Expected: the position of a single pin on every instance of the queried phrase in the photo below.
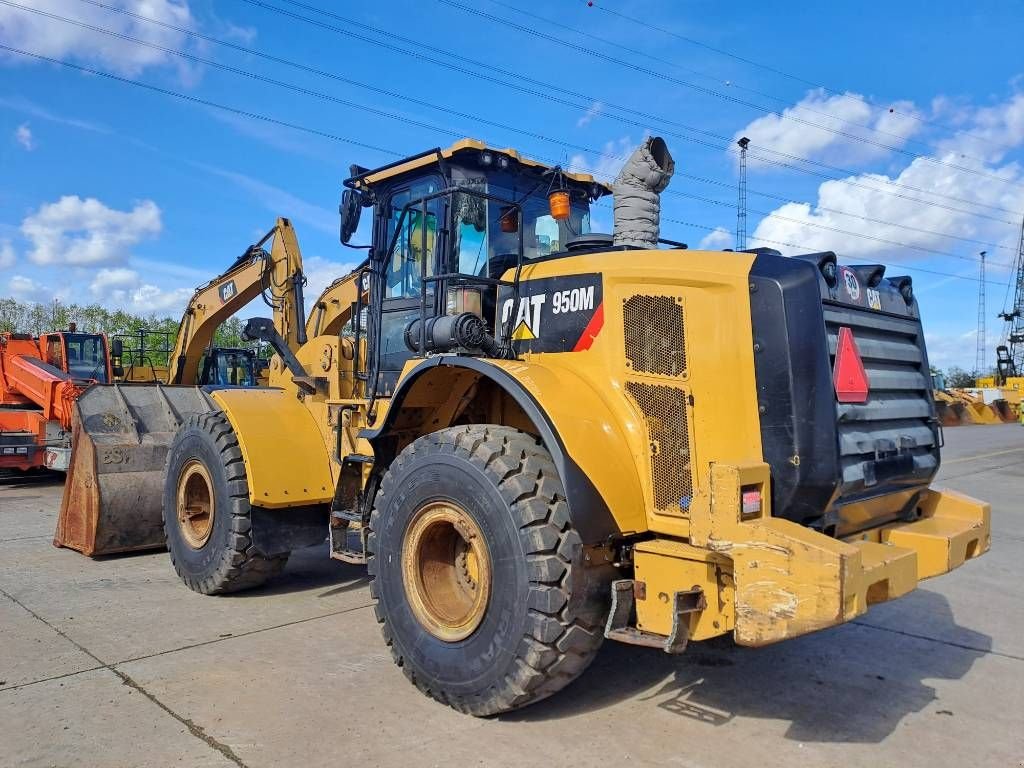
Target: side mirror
(117, 348)
(350, 208)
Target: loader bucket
(120, 434)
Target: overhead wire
(594, 5)
(533, 32)
(729, 83)
(335, 137)
(428, 126)
(516, 80)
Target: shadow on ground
(849, 684)
(310, 568)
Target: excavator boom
(276, 275)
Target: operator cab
(448, 227)
(83, 356)
(225, 367)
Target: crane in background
(1010, 354)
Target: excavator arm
(276, 275)
(333, 308)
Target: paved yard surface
(115, 663)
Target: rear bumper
(773, 579)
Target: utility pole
(741, 206)
(979, 357)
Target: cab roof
(365, 177)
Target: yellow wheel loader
(538, 437)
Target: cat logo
(527, 320)
(554, 314)
(227, 291)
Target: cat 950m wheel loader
(537, 437)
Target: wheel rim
(447, 571)
(195, 505)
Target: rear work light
(848, 374)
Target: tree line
(157, 333)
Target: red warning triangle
(848, 374)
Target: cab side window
(54, 352)
(416, 240)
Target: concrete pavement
(114, 663)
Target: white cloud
(838, 114)
(23, 135)
(717, 240)
(592, 112)
(78, 232)
(58, 39)
(320, 273)
(123, 288)
(27, 289)
(989, 131)
(6, 254)
(870, 197)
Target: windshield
(87, 356)
(233, 369)
(487, 232)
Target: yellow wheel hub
(195, 504)
(446, 568)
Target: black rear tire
(225, 560)
(544, 620)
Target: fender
(602, 503)
(282, 446)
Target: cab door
(419, 240)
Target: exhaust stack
(637, 190)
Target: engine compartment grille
(653, 328)
(665, 410)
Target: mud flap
(120, 434)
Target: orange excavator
(40, 380)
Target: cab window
(87, 357)
(416, 241)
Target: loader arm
(276, 275)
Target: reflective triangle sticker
(522, 333)
(848, 374)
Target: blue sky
(116, 194)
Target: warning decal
(554, 314)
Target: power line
(718, 94)
(516, 83)
(427, 126)
(325, 134)
(795, 78)
(730, 84)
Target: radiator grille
(653, 331)
(664, 410)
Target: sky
(890, 133)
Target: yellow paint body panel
(282, 445)
(769, 579)
(585, 392)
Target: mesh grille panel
(664, 409)
(653, 330)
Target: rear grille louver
(897, 420)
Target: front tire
(206, 510)
(489, 504)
